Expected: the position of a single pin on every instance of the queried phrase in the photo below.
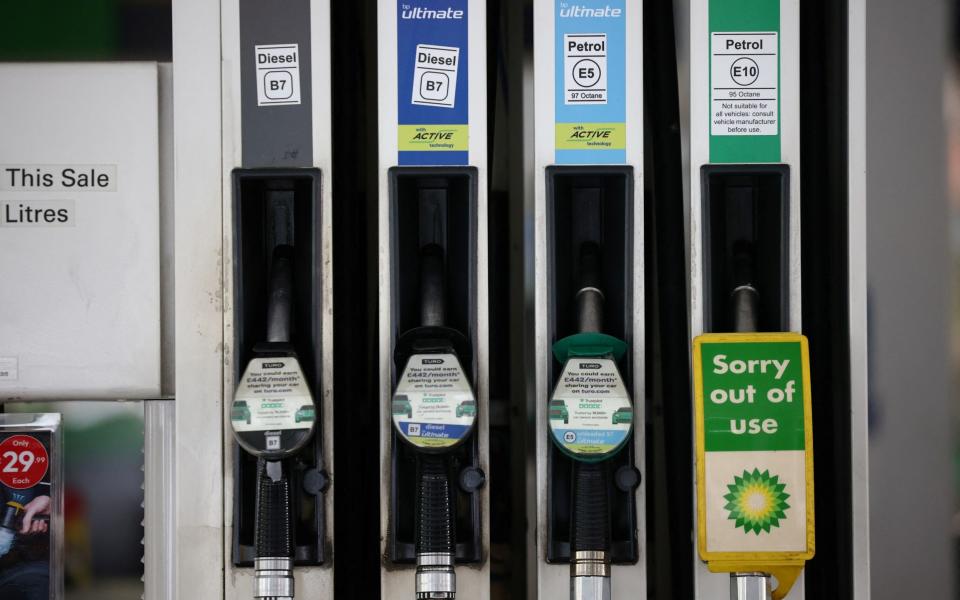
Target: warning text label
(745, 83)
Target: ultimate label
(434, 405)
(590, 79)
(590, 413)
(432, 82)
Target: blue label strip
(573, 66)
(435, 430)
(431, 53)
(612, 437)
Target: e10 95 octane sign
(754, 449)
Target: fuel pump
(433, 318)
(591, 418)
(273, 417)
(754, 494)
(590, 499)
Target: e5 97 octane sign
(754, 446)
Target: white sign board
(79, 231)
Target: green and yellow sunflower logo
(757, 502)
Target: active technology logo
(579, 11)
(418, 12)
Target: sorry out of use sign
(754, 444)
(745, 83)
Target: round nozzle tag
(273, 414)
(590, 412)
(434, 407)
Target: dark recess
(356, 392)
(669, 435)
(824, 204)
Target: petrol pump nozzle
(273, 417)
(433, 378)
(436, 577)
(745, 306)
(590, 547)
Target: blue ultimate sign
(432, 82)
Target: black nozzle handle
(273, 534)
(589, 294)
(433, 308)
(591, 507)
(280, 298)
(744, 298)
(435, 523)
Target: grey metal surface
(280, 301)
(909, 272)
(159, 524)
(435, 578)
(590, 563)
(746, 305)
(750, 586)
(275, 136)
(590, 588)
(273, 578)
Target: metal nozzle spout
(436, 578)
(750, 586)
(590, 575)
(273, 578)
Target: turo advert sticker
(590, 413)
(272, 395)
(434, 406)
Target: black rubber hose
(274, 530)
(589, 296)
(280, 300)
(591, 509)
(435, 533)
(433, 309)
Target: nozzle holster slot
(433, 206)
(590, 204)
(273, 207)
(746, 222)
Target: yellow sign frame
(785, 566)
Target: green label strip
(433, 137)
(745, 75)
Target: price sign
(23, 462)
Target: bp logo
(757, 502)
